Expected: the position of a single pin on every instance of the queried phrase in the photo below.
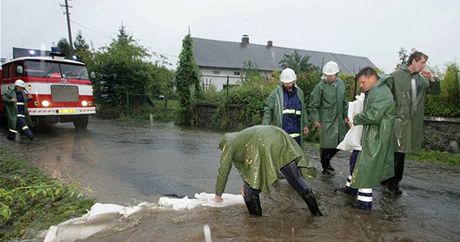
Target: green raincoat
(273, 109)
(329, 106)
(12, 110)
(258, 153)
(409, 108)
(375, 162)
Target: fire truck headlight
(36, 103)
(84, 103)
(45, 103)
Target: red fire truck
(60, 89)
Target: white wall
(218, 77)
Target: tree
(403, 56)
(163, 80)
(250, 73)
(121, 68)
(297, 62)
(446, 104)
(65, 48)
(81, 49)
(187, 81)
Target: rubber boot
(253, 206)
(310, 200)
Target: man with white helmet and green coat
(15, 101)
(260, 153)
(285, 107)
(328, 111)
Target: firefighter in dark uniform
(15, 101)
(285, 107)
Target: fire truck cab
(60, 89)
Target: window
(42, 69)
(55, 70)
(14, 69)
(71, 71)
(6, 69)
(236, 73)
(216, 72)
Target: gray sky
(372, 28)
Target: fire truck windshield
(49, 69)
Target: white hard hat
(288, 75)
(331, 68)
(20, 83)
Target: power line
(93, 31)
(110, 38)
(46, 26)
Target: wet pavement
(126, 164)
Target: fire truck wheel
(81, 122)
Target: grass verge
(30, 201)
(434, 156)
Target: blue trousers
(21, 125)
(364, 195)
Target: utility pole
(67, 13)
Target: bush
(446, 104)
(30, 201)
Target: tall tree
(81, 48)
(250, 73)
(122, 68)
(187, 81)
(403, 56)
(64, 46)
(297, 62)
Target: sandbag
(352, 140)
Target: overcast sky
(372, 28)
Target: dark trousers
(293, 177)
(326, 156)
(399, 160)
(295, 180)
(21, 125)
(353, 158)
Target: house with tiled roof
(222, 61)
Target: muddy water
(123, 164)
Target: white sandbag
(201, 199)
(178, 203)
(228, 200)
(99, 208)
(352, 140)
(356, 106)
(101, 216)
(96, 220)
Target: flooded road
(126, 164)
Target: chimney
(269, 44)
(244, 40)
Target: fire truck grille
(64, 93)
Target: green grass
(31, 201)
(434, 156)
